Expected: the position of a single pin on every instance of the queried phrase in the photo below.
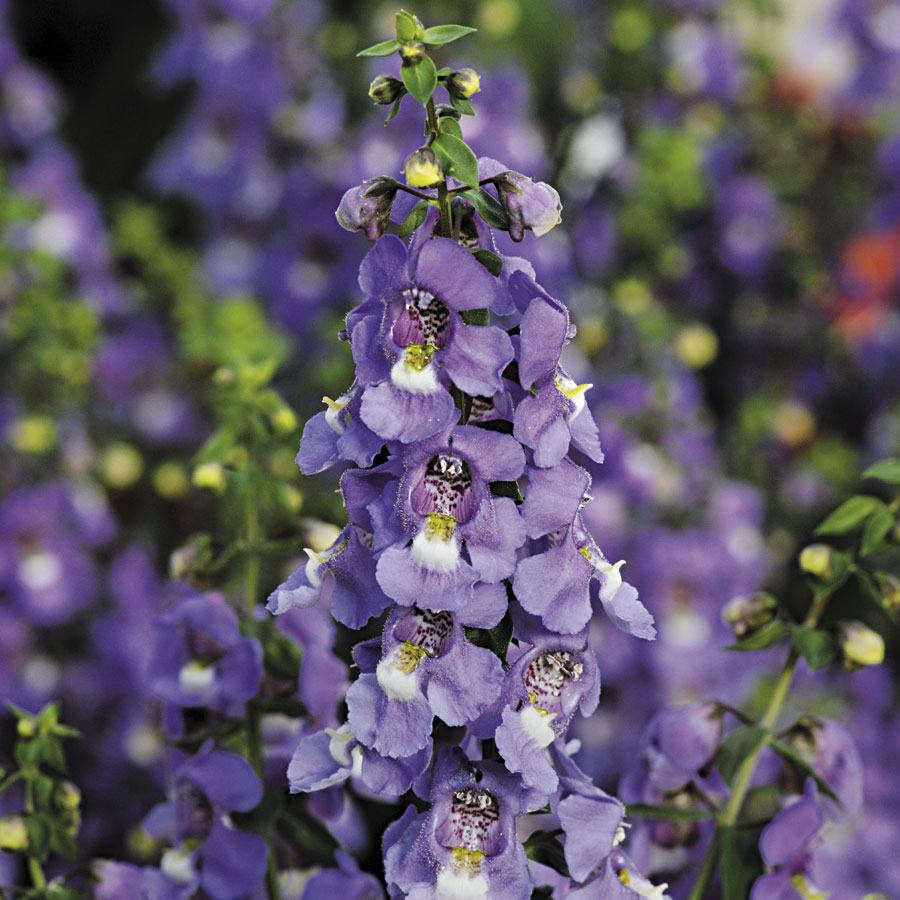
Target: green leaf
(488, 208)
(771, 633)
(490, 260)
(501, 635)
(849, 515)
(407, 28)
(814, 645)
(739, 860)
(395, 108)
(420, 79)
(736, 747)
(40, 831)
(666, 813)
(544, 847)
(475, 316)
(462, 105)
(385, 48)
(876, 529)
(457, 158)
(887, 470)
(449, 125)
(438, 35)
(414, 218)
(789, 754)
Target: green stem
(444, 201)
(34, 865)
(747, 769)
(254, 737)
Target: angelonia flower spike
(465, 552)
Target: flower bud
(13, 833)
(284, 420)
(421, 168)
(412, 53)
(67, 795)
(121, 465)
(890, 591)
(747, 615)
(385, 89)
(531, 205)
(861, 645)
(170, 480)
(367, 207)
(185, 559)
(26, 728)
(210, 475)
(463, 83)
(33, 434)
(816, 560)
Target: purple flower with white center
(207, 851)
(200, 658)
(555, 583)
(427, 668)
(531, 205)
(465, 844)
(337, 433)
(555, 677)
(445, 497)
(785, 846)
(410, 341)
(331, 756)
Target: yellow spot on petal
(440, 525)
(467, 860)
(418, 356)
(409, 656)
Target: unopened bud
(26, 728)
(33, 434)
(385, 89)
(816, 560)
(412, 53)
(210, 475)
(292, 497)
(421, 168)
(188, 557)
(463, 83)
(747, 615)
(13, 833)
(890, 591)
(284, 420)
(170, 480)
(861, 645)
(121, 465)
(67, 795)
(443, 110)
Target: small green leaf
(444, 71)
(666, 813)
(420, 79)
(490, 260)
(475, 316)
(849, 515)
(805, 769)
(509, 489)
(771, 633)
(488, 208)
(736, 747)
(457, 158)
(385, 48)
(739, 860)
(876, 530)
(501, 635)
(887, 470)
(438, 35)
(814, 645)
(40, 831)
(395, 108)
(407, 28)
(449, 125)
(414, 218)
(462, 105)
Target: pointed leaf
(805, 769)
(438, 35)
(876, 530)
(457, 158)
(385, 48)
(414, 218)
(449, 125)
(814, 645)
(666, 813)
(770, 633)
(490, 260)
(488, 208)
(420, 79)
(462, 105)
(849, 515)
(407, 29)
(887, 470)
(736, 747)
(395, 108)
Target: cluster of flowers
(460, 403)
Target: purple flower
(208, 852)
(531, 205)
(554, 677)
(465, 844)
(367, 207)
(444, 496)
(200, 659)
(750, 223)
(427, 668)
(345, 881)
(409, 338)
(785, 848)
